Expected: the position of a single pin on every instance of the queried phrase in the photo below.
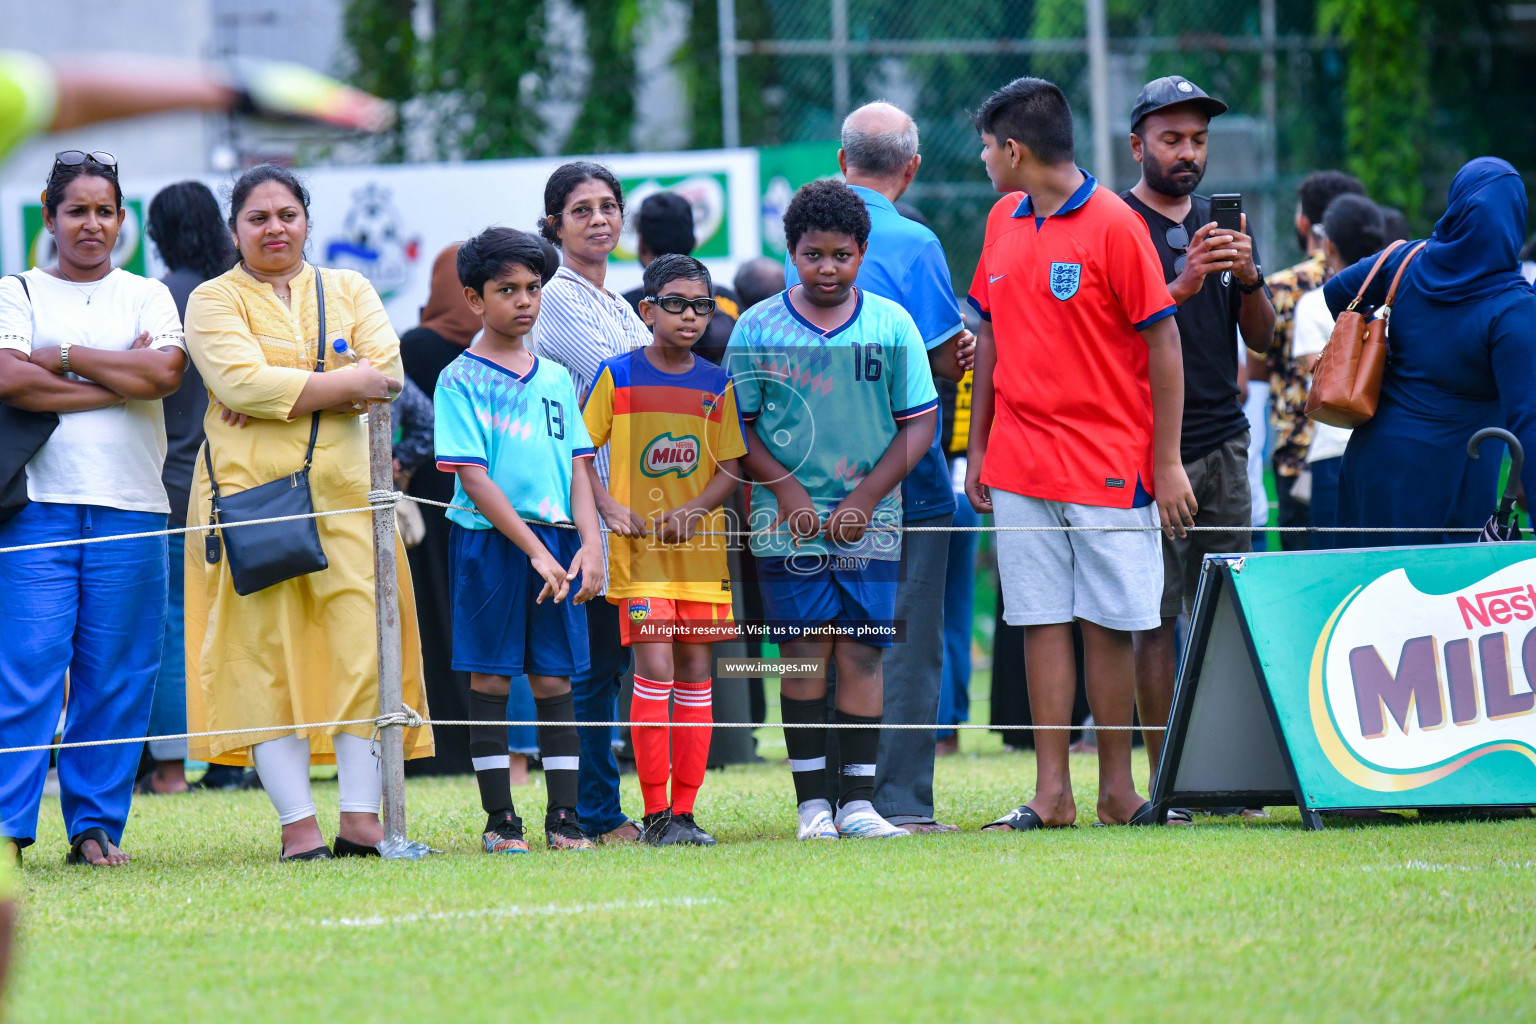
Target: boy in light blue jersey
(523, 430)
(509, 427)
(835, 386)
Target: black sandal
(97, 835)
(318, 853)
(1021, 819)
(1144, 816)
(347, 848)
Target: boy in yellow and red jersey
(674, 435)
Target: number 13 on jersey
(554, 419)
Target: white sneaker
(865, 823)
(820, 826)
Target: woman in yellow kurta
(304, 650)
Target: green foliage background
(1400, 92)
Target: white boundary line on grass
(544, 910)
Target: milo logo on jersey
(667, 454)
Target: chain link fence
(799, 65)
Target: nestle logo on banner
(1512, 604)
(1411, 694)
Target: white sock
(811, 808)
(853, 807)
(357, 773)
(283, 765)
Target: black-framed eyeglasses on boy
(677, 303)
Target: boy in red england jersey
(1076, 415)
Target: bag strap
(1386, 307)
(213, 483)
(314, 422)
(24, 289)
(1360, 295)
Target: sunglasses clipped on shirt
(677, 303)
(1177, 238)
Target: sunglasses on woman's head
(76, 157)
(677, 303)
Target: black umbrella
(1503, 524)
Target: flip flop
(1144, 816)
(1022, 819)
(97, 835)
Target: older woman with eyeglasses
(95, 348)
(581, 323)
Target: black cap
(1171, 92)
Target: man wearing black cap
(1219, 288)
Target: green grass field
(1228, 921)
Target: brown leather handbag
(1346, 385)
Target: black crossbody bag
(22, 434)
(265, 555)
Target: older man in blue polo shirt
(905, 263)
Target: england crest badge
(1064, 279)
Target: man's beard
(1162, 178)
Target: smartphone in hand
(1227, 211)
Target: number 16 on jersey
(867, 360)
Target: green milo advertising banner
(706, 192)
(1398, 677)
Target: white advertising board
(390, 221)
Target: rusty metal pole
(381, 477)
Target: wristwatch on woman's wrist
(64, 355)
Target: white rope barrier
(399, 496)
(409, 718)
(389, 499)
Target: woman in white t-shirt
(100, 347)
(1355, 229)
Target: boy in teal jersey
(509, 427)
(834, 384)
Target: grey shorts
(1111, 578)
(1220, 482)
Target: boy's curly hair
(826, 205)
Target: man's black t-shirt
(1213, 407)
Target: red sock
(652, 756)
(692, 704)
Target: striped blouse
(580, 326)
